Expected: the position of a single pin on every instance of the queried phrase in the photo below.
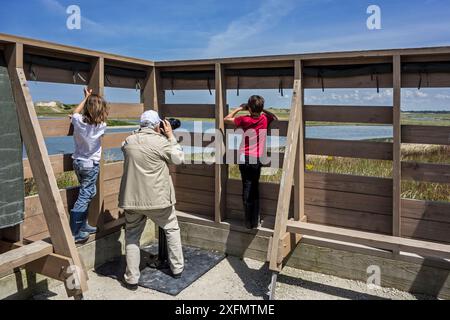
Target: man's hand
(167, 129)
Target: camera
(174, 123)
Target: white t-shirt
(87, 139)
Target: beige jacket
(146, 183)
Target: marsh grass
(64, 180)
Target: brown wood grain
(352, 149)
(188, 110)
(125, 110)
(426, 172)
(356, 114)
(426, 134)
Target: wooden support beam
(51, 200)
(287, 175)
(97, 76)
(396, 161)
(380, 241)
(97, 84)
(221, 169)
(20, 256)
(299, 172)
(151, 95)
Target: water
(57, 145)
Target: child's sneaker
(88, 228)
(81, 236)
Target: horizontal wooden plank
(113, 170)
(426, 172)
(424, 248)
(195, 208)
(349, 183)
(111, 186)
(194, 182)
(196, 197)
(356, 114)
(125, 110)
(352, 149)
(56, 127)
(267, 207)
(349, 201)
(358, 220)
(60, 163)
(55, 75)
(34, 225)
(114, 140)
(188, 110)
(426, 134)
(426, 230)
(426, 210)
(193, 169)
(20, 256)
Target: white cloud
(240, 31)
(54, 6)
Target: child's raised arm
(87, 93)
(229, 119)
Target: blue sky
(170, 30)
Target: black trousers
(250, 174)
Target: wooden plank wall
(361, 203)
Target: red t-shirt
(255, 134)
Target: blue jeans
(87, 177)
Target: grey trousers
(135, 223)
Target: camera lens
(174, 123)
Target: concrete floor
(236, 279)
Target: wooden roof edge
(310, 56)
(72, 50)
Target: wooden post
(287, 178)
(97, 84)
(299, 174)
(396, 173)
(221, 170)
(51, 201)
(151, 94)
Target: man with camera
(146, 191)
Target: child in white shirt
(89, 125)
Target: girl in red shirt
(254, 126)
